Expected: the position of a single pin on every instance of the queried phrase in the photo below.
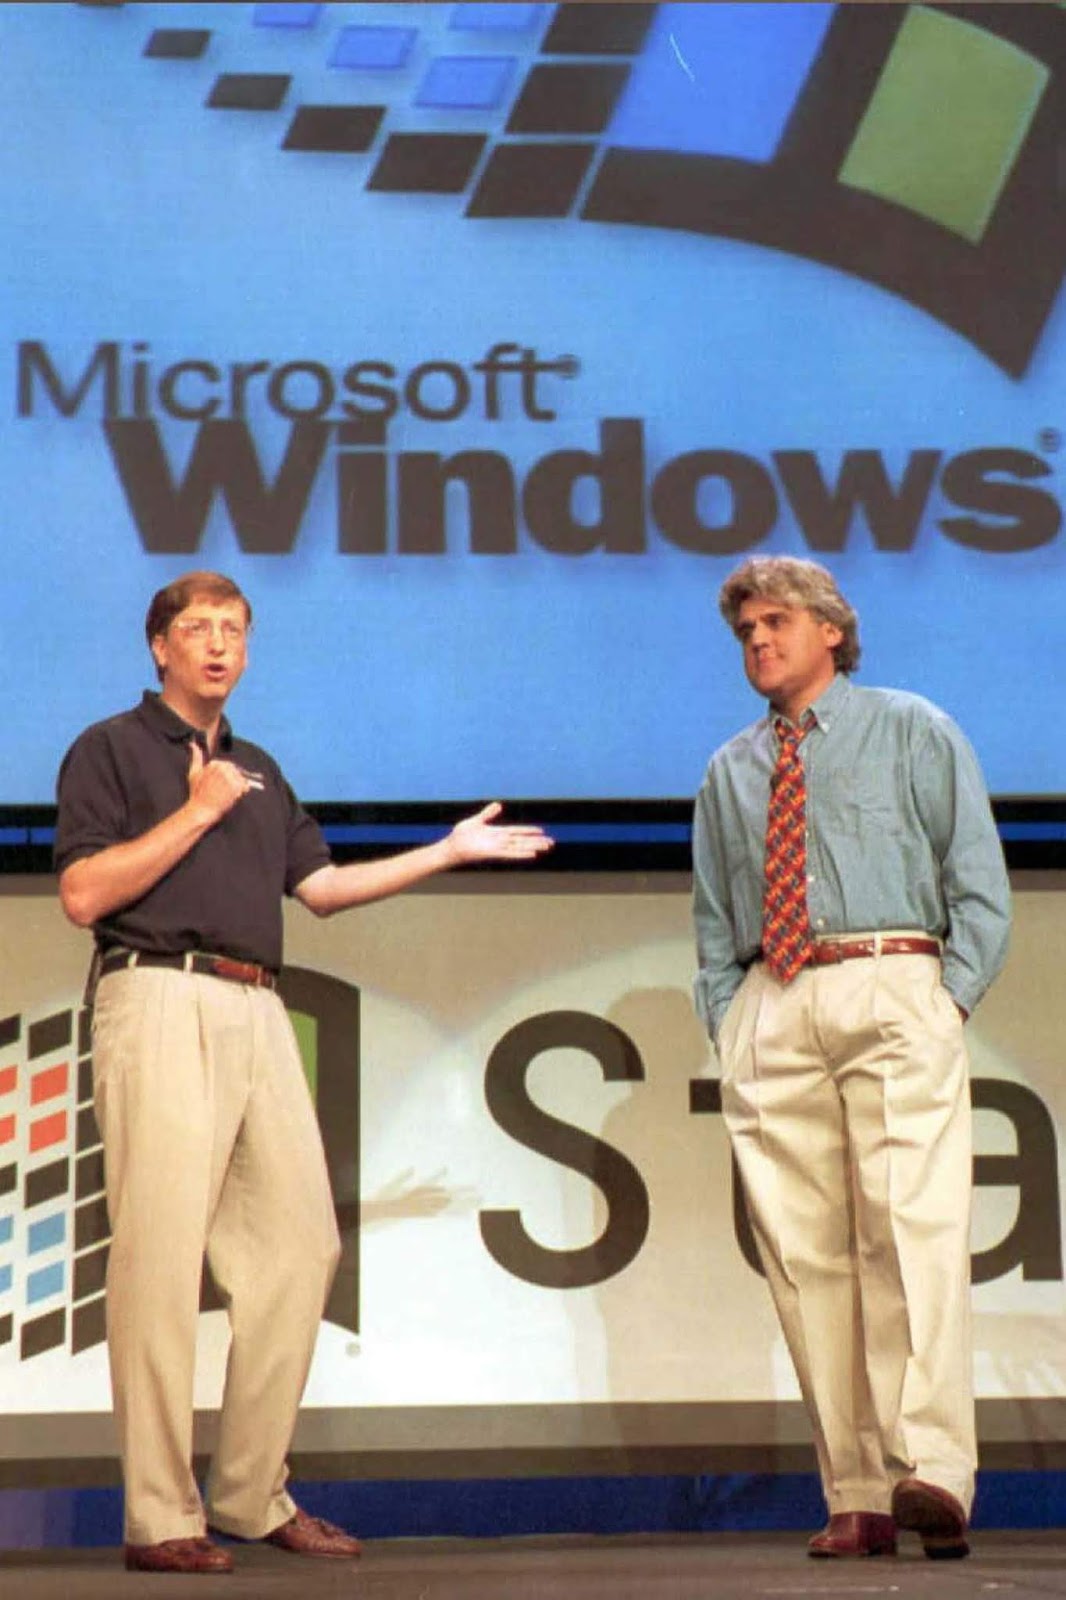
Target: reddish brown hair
(168, 602)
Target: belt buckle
(831, 953)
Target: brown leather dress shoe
(304, 1535)
(178, 1555)
(855, 1533)
(935, 1515)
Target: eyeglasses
(200, 629)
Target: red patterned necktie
(786, 927)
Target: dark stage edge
(1009, 1566)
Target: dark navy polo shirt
(125, 775)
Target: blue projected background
(479, 342)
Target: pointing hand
(216, 786)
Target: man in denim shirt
(845, 1087)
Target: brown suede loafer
(935, 1515)
(855, 1533)
(304, 1535)
(178, 1555)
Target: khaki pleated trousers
(211, 1145)
(846, 1096)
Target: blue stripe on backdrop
(387, 833)
(561, 832)
(1032, 830)
(492, 1508)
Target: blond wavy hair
(792, 582)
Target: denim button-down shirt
(900, 834)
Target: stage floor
(752, 1566)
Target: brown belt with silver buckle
(828, 952)
(199, 961)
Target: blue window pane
(47, 1233)
(5, 1279)
(720, 79)
(502, 17)
(7, 1229)
(285, 16)
(467, 81)
(374, 48)
(49, 1281)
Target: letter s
(997, 484)
(628, 1210)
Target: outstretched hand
(481, 838)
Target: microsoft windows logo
(916, 146)
(54, 1232)
(920, 150)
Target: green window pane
(946, 121)
(306, 1031)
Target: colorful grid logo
(53, 1219)
(916, 146)
(54, 1232)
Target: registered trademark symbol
(1049, 440)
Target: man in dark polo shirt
(176, 842)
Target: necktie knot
(788, 732)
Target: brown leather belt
(209, 966)
(829, 952)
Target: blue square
(375, 48)
(7, 1229)
(285, 16)
(467, 82)
(42, 1285)
(6, 1279)
(501, 17)
(44, 1235)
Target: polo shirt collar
(162, 719)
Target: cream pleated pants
(210, 1145)
(846, 1096)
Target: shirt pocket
(859, 803)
